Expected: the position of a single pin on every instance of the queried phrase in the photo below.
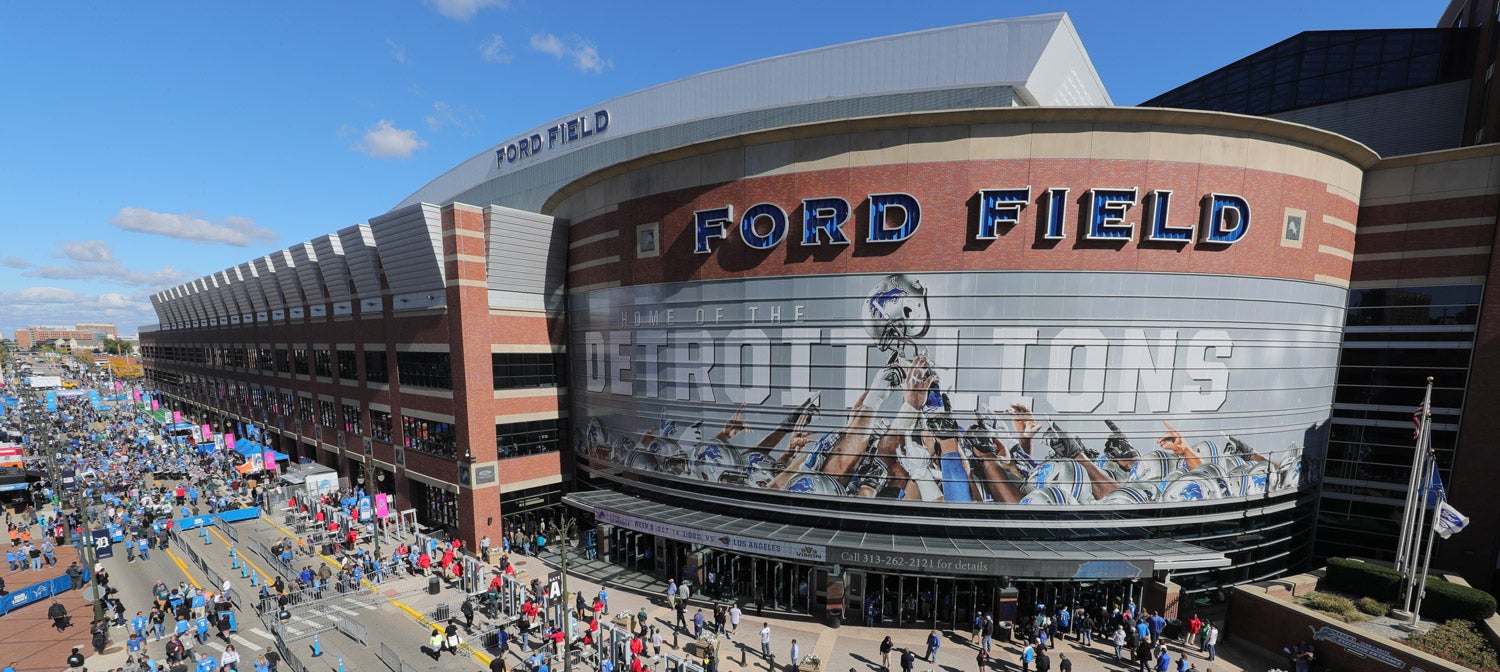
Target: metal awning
(936, 555)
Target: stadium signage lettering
(560, 134)
(895, 217)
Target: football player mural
(901, 436)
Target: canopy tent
(247, 448)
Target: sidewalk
(849, 647)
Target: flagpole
(1411, 580)
(1416, 611)
(1403, 548)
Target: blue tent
(246, 447)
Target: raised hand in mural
(1172, 441)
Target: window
(322, 364)
(380, 425)
(529, 438)
(263, 359)
(283, 361)
(326, 417)
(352, 423)
(425, 369)
(348, 366)
(429, 436)
(305, 408)
(299, 361)
(526, 369)
(375, 369)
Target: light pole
(370, 477)
(568, 526)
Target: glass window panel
(1340, 57)
(1336, 85)
(1364, 81)
(1283, 96)
(1397, 46)
(1262, 70)
(1393, 75)
(1309, 91)
(1287, 68)
(1314, 61)
(1427, 41)
(1425, 69)
(1367, 51)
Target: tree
(115, 346)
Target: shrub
(1459, 642)
(1373, 606)
(1337, 605)
(1443, 601)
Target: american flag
(1416, 419)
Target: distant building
(88, 334)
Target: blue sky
(144, 144)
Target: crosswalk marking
(346, 612)
(247, 641)
(261, 633)
(295, 632)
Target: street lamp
(370, 477)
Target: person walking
(681, 608)
(981, 660)
(885, 653)
(1118, 639)
(765, 640)
(986, 632)
(734, 618)
(1028, 656)
(908, 660)
(1211, 640)
(468, 612)
(698, 624)
(933, 643)
(796, 654)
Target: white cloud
(32, 296)
(493, 50)
(445, 115)
(582, 53)
(548, 43)
(15, 262)
(87, 250)
(398, 51)
(463, 10)
(55, 305)
(94, 261)
(237, 231)
(385, 141)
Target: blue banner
(52, 402)
(25, 596)
(103, 547)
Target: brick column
(473, 383)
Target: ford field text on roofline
(561, 133)
(894, 217)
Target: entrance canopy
(935, 555)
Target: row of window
(515, 439)
(432, 370)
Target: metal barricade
(389, 657)
(354, 629)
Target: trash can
(328, 550)
(443, 611)
(1004, 630)
(835, 618)
(433, 586)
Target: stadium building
(903, 328)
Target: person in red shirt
(635, 664)
(636, 646)
(424, 561)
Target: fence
(354, 629)
(393, 661)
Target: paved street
(391, 617)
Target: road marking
(247, 641)
(289, 628)
(261, 634)
(368, 606)
(265, 576)
(183, 566)
(346, 612)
